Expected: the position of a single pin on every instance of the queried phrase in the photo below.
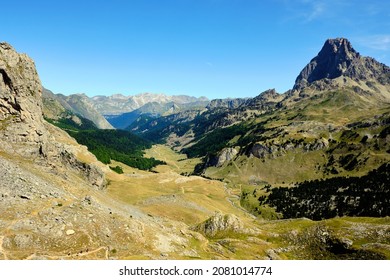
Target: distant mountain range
(119, 111)
(118, 104)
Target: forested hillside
(340, 196)
(108, 145)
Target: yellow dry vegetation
(166, 193)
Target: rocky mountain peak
(338, 58)
(338, 46)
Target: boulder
(219, 223)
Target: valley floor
(164, 215)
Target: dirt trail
(76, 255)
(2, 249)
(231, 196)
(238, 169)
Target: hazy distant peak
(118, 96)
(117, 103)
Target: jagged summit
(338, 58)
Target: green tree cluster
(117, 145)
(368, 195)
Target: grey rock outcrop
(260, 151)
(225, 155)
(219, 223)
(263, 150)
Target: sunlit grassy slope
(189, 200)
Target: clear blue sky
(214, 48)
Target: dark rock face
(338, 58)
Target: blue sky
(213, 48)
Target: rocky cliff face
(23, 131)
(21, 121)
(338, 58)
